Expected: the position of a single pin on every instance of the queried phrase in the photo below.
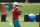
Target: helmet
(15, 3)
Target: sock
(11, 23)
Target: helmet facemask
(16, 6)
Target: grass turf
(26, 8)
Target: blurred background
(27, 6)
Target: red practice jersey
(15, 13)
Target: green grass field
(26, 8)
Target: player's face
(16, 6)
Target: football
(20, 11)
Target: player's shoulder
(13, 9)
